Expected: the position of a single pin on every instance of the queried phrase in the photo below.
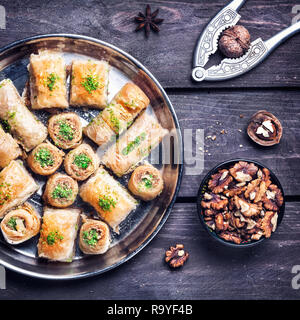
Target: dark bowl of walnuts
(240, 203)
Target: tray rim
(168, 210)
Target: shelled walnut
(176, 256)
(264, 128)
(243, 203)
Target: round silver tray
(143, 224)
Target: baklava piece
(45, 159)
(110, 199)
(61, 191)
(9, 149)
(47, 80)
(21, 224)
(94, 236)
(65, 130)
(81, 162)
(58, 234)
(146, 182)
(135, 145)
(16, 186)
(89, 82)
(26, 129)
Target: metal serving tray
(143, 224)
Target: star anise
(148, 21)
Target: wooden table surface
(213, 271)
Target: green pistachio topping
(148, 181)
(51, 79)
(44, 157)
(133, 144)
(91, 237)
(82, 161)
(65, 130)
(106, 203)
(5, 192)
(90, 83)
(12, 223)
(62, 192)
(54, 236)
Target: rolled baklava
(16, 186)
(99, 131)
(9, 149)
(81, 162)
(111, 200)
(45, 159)
(146, 182)
(47, 72)
(24, 127)
(61, 191)
(89, 83)
(94, 237)
(65, 130)
(58, 234)
(124, 107)
(136, 144)
(21, 224)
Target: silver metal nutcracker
(231, 68)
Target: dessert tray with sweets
(86, 180)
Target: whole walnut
(234, 42)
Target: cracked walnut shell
(264, 128)
(176, 256)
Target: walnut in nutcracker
(235, 42)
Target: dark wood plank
(169, 54)
(215, 110)
(212, 272)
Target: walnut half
(176, 256)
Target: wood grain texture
(167, 54)
(212, 272)
(215, 110)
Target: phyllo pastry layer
(111, 200)
(23, 125)
(9, 149)
(58, 234)
(47, 80)
(124, 107)
(21, 224)
(136, 144)
(99, 131)
(89, 82)
(16, 186)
